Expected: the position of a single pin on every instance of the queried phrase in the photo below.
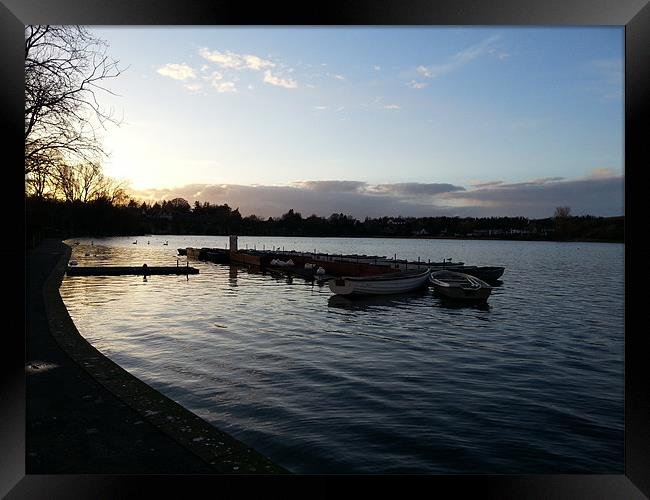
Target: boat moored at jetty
(382, 284)
(456, 285)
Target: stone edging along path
(223, 452)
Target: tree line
(101, 217)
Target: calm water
(531, 383)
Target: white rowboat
(381, 284)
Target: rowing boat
(460, 286)
(381, 284)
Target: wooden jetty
(333, 264)
(129, 270)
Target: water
(531, 383)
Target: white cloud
(602, 173)
(320, 107)
(392, 106)
(177, 71)
(223, 87)
(376, 68)
(214, 76)
(216, 81)
(257, 63)
(339, 77)
(461, 58)
(232, 60)
(192, 87)
(271, 79)
(417, 85)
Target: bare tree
(562, 221)
(85, 182)
(90, 178)
(114, 191)
(64, 67)
(562, 212)
(41, 180)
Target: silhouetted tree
(64, 67)
(179, 205)
(562, 212)
(561, 221)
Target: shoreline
(102, 419)
(463, 238)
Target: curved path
(85, 414)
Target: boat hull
(464, 294)
(374, 286)
(460, 286)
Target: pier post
(233, 243)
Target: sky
(414, 121)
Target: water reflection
(232, 276)
(365, 302)
(447, 303)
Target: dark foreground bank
(85, 414)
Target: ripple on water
(530, 382)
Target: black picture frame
(633, 14)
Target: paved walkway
(84, 414)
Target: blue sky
(438, 121)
